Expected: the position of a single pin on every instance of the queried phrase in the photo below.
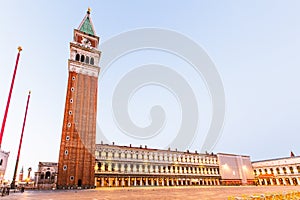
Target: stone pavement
(190, 192)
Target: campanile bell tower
(77, 148)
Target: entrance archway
(79, 183)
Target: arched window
(92, 61)
(113, 167)
(77, 57)
(1, 161)
(82, 58)
(284, 170)
(48, 173)
(291, 170)
(99, 165)
(87, 60)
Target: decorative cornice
(85, 69)
(84, 47)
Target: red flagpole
(9, 96)
(20, 144)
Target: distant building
(235, 169)
(3, 164)
(46, 176)
(279, 171)
(142, 166)
(21, 175)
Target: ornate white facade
(3, 164)
(141, 166)
(281, 171)
(46, 176)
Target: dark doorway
(79, 182)
(47, 175)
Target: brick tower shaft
(77, 148)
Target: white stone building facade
(141, 166)
(281, 171)
(46, 176)
(3, 164)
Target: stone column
(109, 182)
(298, 181)
(117, 182)
(271, 181)
(291, 181)
(128, 168)
(134, 182)
(151, 168)
(141, 181)
(129, 181)
(277, 181)
(122, 182)
(152, 182)
(140, 168)
(96, 182)
(167, 182)
(281, 170)
(116, 168)
(36, 181)
(295, 169)
(102, 182)
(157, 182)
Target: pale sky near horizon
(255, 46)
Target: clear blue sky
(255, 46)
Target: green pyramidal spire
(86, 25)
